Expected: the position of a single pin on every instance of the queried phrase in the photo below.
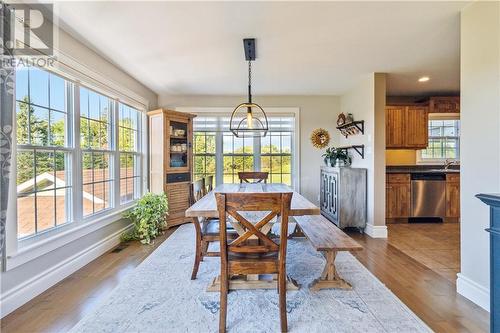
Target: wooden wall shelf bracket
(352, 128)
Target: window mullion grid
(114, 145)
(219, 158)
(29, 113)
(256, 153)
(35, 187)
(137, 158)
(55, 185)
(77, 162)
(144, 132)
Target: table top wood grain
(207, 207)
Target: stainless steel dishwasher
(428, 196)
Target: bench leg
(297, 232)
(330, 278)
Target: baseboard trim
(473, 291)
(16, 297)
(376, 231)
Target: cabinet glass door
(178, 142)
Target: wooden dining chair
(253, 177)
(207, 230)
(209, 183)
(253, 252)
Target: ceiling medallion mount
(249, 119)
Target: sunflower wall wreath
(320, 138)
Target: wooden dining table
(206, 207)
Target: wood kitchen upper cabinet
(416, 125)
(397, 198)
(444, 104)
(406, 127)
(452, 195)
(394, 126)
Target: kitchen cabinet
(394, 126)
(416, 127)
(406, 127)
(453, 195)
(397, 199)
(444, 104)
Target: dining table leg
(198, 249)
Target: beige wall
(480, 141)
(366, 102)
(400, 157)
(315, 111)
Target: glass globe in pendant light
(249, 119)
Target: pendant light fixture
(249, 119)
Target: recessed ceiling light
(424, 79)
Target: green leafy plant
(148, 217)
(332, 155)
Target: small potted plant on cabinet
(337, 157)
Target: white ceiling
(303, 48)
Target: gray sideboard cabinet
(343, 196)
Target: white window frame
(68, 149)
(111, 151)
(20, 251)
(138, 152)
(439, 116)
(271, 111)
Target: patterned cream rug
(158, 296)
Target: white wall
(88, 58)
(366, 101)
(480, 141)
(315, 111)
(20, 284)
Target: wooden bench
(327, 238)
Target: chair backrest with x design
(253, 241)
(253, 177)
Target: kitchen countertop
(422, 169)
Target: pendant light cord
(249, 81)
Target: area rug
(158, 296)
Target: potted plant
(148, 218)
(336, 156)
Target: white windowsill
(34, 247)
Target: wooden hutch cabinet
(170, 162)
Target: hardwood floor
(411, 262)
(423, 286)
(436, 246)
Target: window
(237, 156)
(218, 152)
(129, 142)
(96, 142)
(63, 175)
(276, 156)
(44, 154)
(204, 155)
(444, 140)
